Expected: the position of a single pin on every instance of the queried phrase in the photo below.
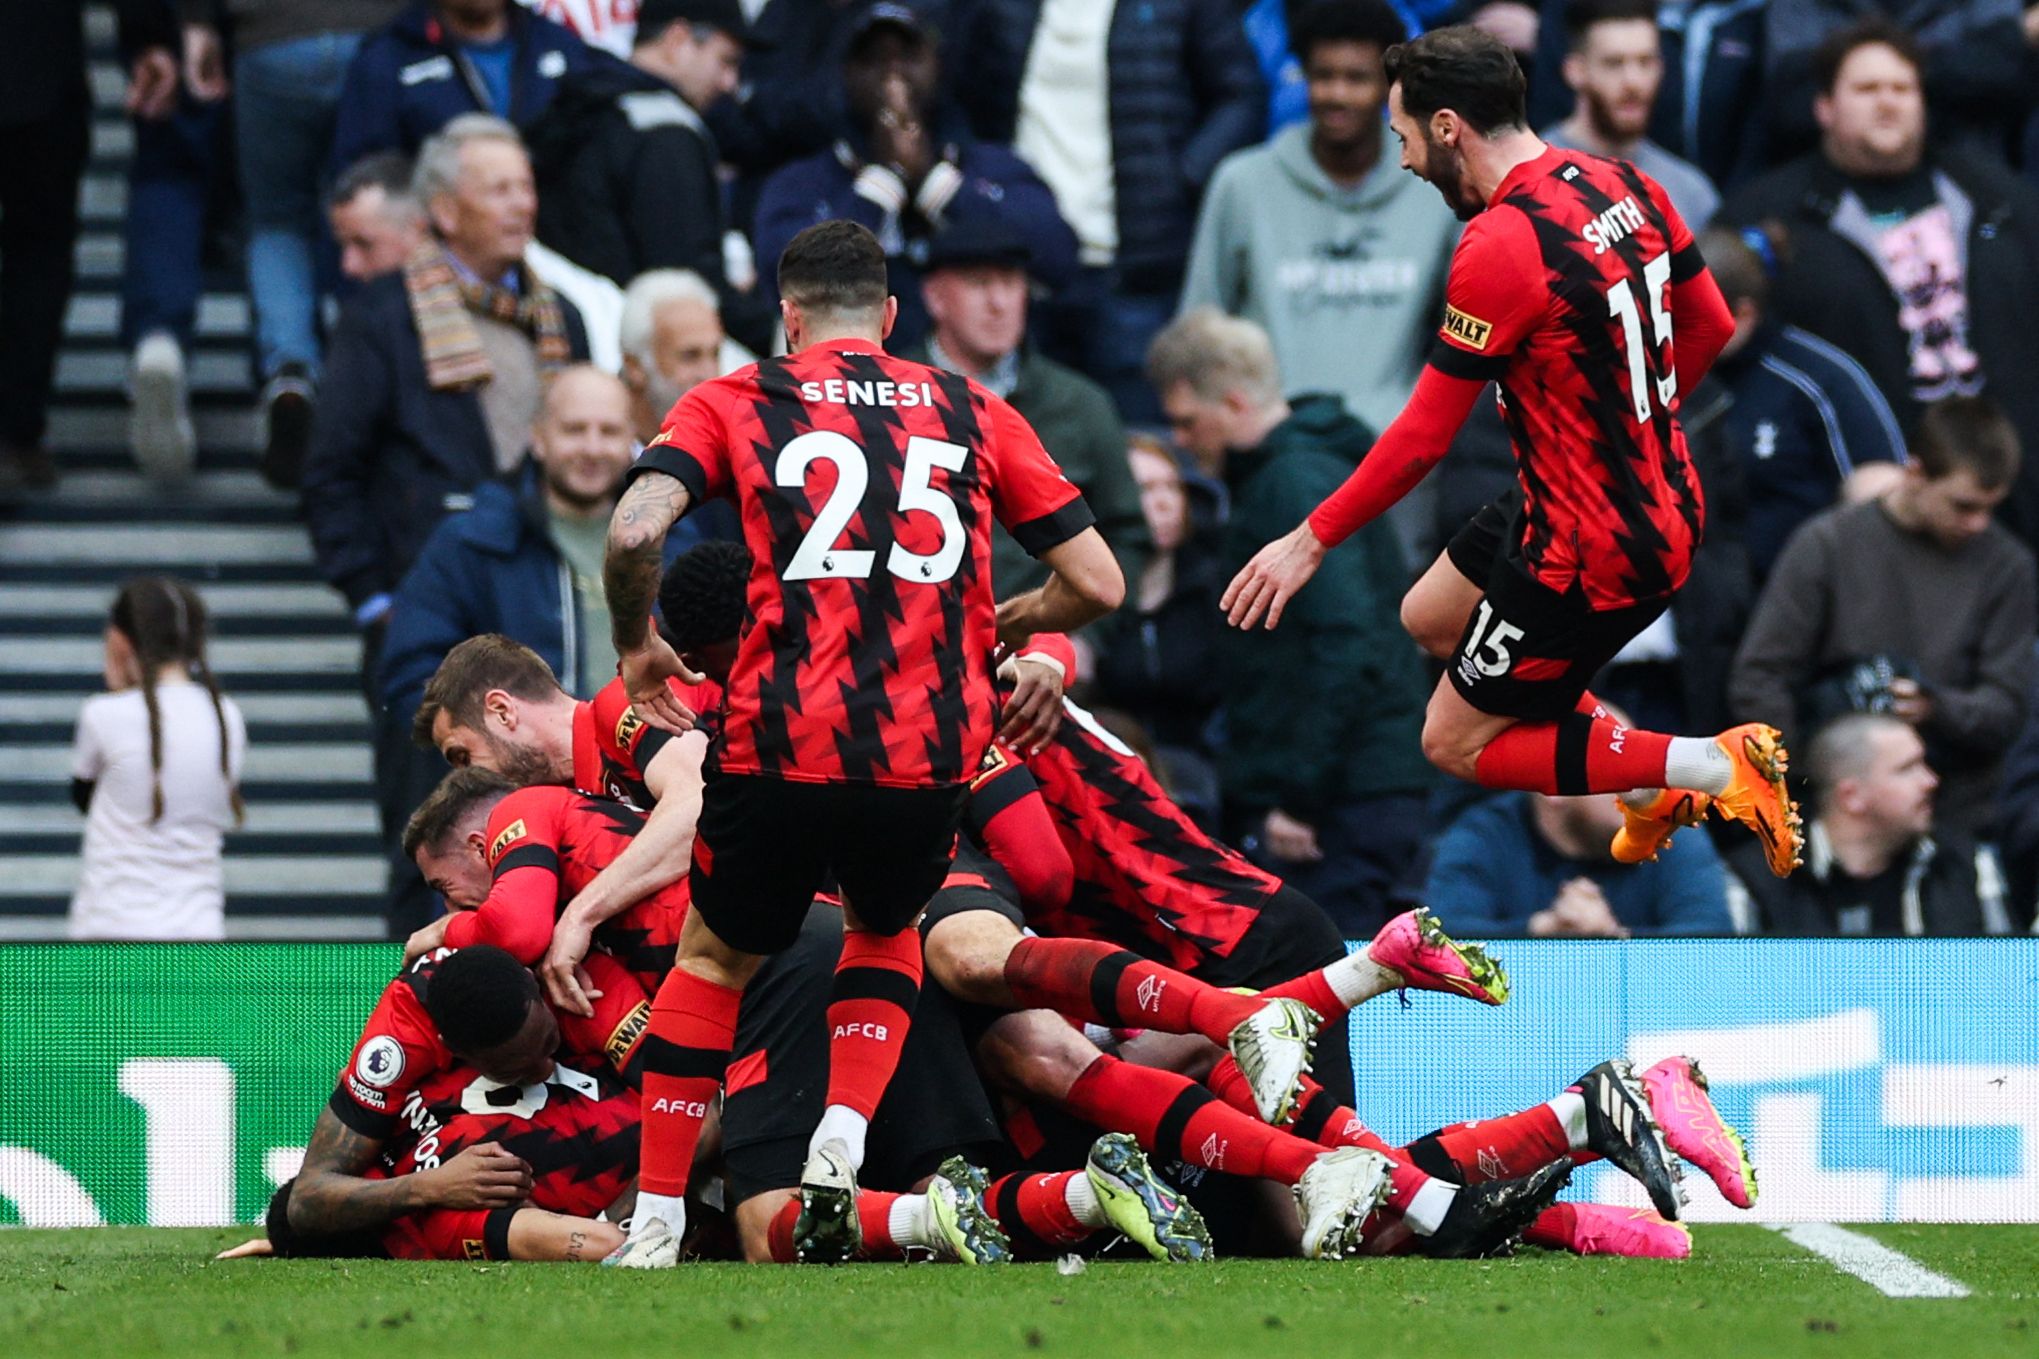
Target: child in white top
(156, 771)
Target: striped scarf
(442, 303)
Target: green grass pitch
(1746, 1292)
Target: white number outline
(818, 559)
(1491, 635)
(1622, 305)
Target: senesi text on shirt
(849, 392)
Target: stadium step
(308, 863)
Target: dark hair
(1582, 15)
(704, 596)
(164, 621)
(1967, 433)
(1462, 69)
(477, 665)
(835, 266)
(389, 171)
(442, 811)
(1353, 21)
(1833, 53)
(1744, 260)
(478, 997)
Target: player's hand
(152, 85)
(424, 940)
(1290, 840)
(1909, 701)
(250, 1249)
(1266, 584)
(645, 672)
(1579, 911)
(1034, 711)
(566, 982)
(482, 1177)
(205, 63)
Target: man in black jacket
(1872, 863)
(627, 168)
(1919, 262)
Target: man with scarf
(434, 377)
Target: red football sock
(1313, 990)
(1034, 1210)
(1324, 1121)
(686, 1050)
(1105, 984)
(1555, 1228)
(874, 1216)
(1173, 1116)
(870, 1009)
(1575, 754)
(1504, 1148)
(1590, 706)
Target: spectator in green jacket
(1322, 769)
(975, 287)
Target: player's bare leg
(981, 957)
(947, 1220)
(1438, 606)
(1742, 769)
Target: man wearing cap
(975, 287)
(627, 168)
(901, 173)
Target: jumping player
(1577, 287)
(861, 698)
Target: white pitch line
(1891, 1273)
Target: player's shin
(1108, 985)
(686, 1050)
(877, 982)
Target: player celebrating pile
(1568, 287)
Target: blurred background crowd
(353, 313)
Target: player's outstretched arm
(538, 1235)
(631, 569)
(332, 1197)
(1084, 585)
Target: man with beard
(1615, 66)
(1567, 287)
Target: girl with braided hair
(156, 770)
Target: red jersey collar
(587, 750)
(1537, 165)
(845, 344)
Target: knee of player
(967, 970)
(1045, 1057)
(1448, 750)
(1423, 626)
(754, 1224)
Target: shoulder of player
(525, 812)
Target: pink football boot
(1428, 959)
(1695, 1130)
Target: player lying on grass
(1578, 289)
(474, 1121)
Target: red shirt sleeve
(693, 444)
(1414, 443)
(399, 1047)
(1021, 836)
(1038, 505)
(625, 738)
(622, 1014)
(523, 902)
(1056, 647)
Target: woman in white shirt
(156, 771)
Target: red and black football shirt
(1146, 877)
(1561, 292)
(400, 1049)
(545, 844)
(612, 744)
(867, 486)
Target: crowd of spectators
(488, 244)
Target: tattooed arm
(331, 1195)
(539, 1235)
(630, 576)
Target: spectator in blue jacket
(442, 58)
(526, 560)
(1804, 421)
(903, 175)
(1125, 110)
(1526, 864)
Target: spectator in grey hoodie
(1321, 240)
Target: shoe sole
(1175, 1231)
(1625, 1108)
(159, 426)
(1775, 820)
(1737, 1184)
(983, 1241)
(1285, 1107)
(1634, 844)
(1483, 973)
(1344, 1238)
(827, 1231)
